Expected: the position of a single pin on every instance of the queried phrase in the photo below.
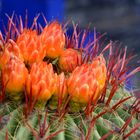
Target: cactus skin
(70, 125)
(88, 102)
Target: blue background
(50, 8)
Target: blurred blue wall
(50, 8)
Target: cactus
(70, 91)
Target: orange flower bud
(61, 89)
(87, 81)
(41, 81)
(14, 75)
(99, 67)
(69, 60)
(59, 97)
(82, 85)
(30, 46)
(53, 39)
(11, 49)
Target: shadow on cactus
(57, 86)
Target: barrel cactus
(59, 87)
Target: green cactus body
(80, 100)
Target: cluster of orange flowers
(23, 67)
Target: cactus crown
(55, 86)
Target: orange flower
(41, 81)
(53, 39)
(30, 46)
(69, 60)
(11, 49)
(14, 75)
(59, 97)
(99, 67)
(87, 81)
(61, 89)
(82, 85)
